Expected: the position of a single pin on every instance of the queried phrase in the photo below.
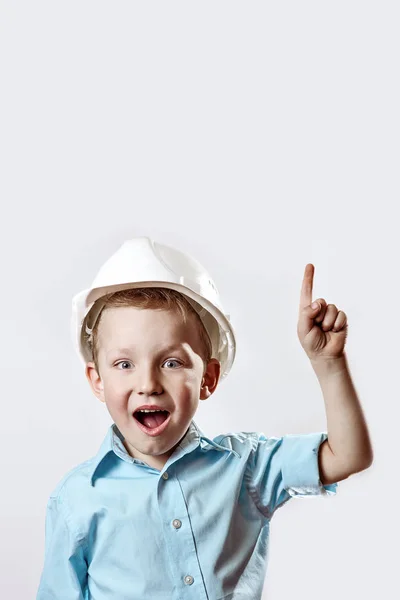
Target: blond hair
(153, 298)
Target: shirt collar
(113, 442)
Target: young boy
(162, 512)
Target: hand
(322, 331)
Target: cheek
(188, 387)
(116, 390)
(117, 405)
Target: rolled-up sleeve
(286, 467)
(64, 574)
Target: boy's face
(136, 368)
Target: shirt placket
(179, 538)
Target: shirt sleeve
(64, 573)
(286, 467)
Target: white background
(256, 136)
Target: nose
(148, 382)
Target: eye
(127, 362)
(123, 362)
(172, 360)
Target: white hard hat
(142, 262)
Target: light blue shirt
(118, 529)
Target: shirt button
(165, 475)
(188, 580)
(176, 523)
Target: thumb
(306, 318)
(312, 310)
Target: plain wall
(256, 136)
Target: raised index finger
(307, 286)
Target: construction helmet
(142, 262)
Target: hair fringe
(151, 298)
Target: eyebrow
(127, 350)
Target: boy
(162, 511)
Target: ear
(210, 379)
(95, 381)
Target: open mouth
(151, 420)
